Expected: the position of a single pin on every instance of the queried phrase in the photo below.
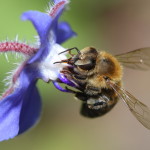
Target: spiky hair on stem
(16, 46)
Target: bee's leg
(68, 61)
(79, 77)
(71, 91)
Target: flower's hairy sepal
(12, 80)
(57, 7)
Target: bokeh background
(115, 26)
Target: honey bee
(98, 75)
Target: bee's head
(86, 59)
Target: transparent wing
(138, 109)
(137, 59)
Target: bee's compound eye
(87, 66)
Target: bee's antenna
(78, 51)
(63, 61)
(68, 61)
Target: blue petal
(31, 109)
(10, 108)
(21, 109)
(57, 1)
(64, 32)
(42, 23)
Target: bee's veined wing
(137, 59)
(138, 109)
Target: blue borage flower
(20, 105)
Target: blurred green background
(113, 25)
